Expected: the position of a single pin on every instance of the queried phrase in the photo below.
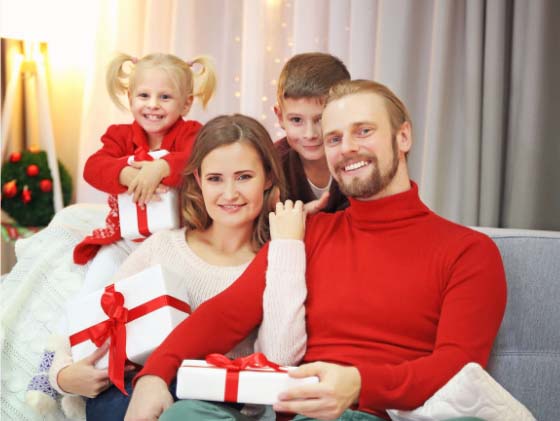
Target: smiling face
(156, 104)
(364, 155)
(233, 180)
(301, 119)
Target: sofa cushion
(526, 354)
(472, 393)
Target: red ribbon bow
(142, 154)
(233, 367)
(112, 303)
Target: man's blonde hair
(310, 75)
(398, 113)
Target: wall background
(479, 77)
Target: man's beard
(375, 182)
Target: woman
(231, 184)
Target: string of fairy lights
(278, 48)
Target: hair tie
(134, 60)
(191, 63)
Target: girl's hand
(147, 180)
(149, 399)
(288, 221)
(82, 378)
(127, 174)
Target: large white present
(244, 380)
(146, 307)
(137, 222)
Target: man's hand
(149, 176)
(82, 378)
(338, 388)
(316, 205)
(288, 221)
(150, 398)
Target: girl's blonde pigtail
(116, 79)
(205, 80)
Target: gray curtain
(487, 111)
(531, 193)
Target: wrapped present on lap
(251, 379)
(135, 314)
(138, 222)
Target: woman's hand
(288, 221)
(82, 378)
(150, 398)
(150, 174)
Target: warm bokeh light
(69, 29)
(38, 20)
(68, 26)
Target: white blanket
(33, 295)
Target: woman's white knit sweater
(281, 336)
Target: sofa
(526, 354)
(525, 358)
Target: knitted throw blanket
(33, 297)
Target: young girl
(160, 90)
(231, 185)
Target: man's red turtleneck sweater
(402, 294)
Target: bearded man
(398, 298)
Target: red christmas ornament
(26, 195)
(15, 157)
(45, 185)
(32, 170)
(9, 189)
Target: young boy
(304, 82)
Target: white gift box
(196, 379)
(136, 223)
(158, 299)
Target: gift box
(141, 221)
(142, 154)
(135, 314)
(137, 222)
(251, 379)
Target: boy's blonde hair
(226, 130)
(398, 112)
(310, 75)
(121, 80)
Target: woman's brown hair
(226, 130)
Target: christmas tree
(27, 188)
